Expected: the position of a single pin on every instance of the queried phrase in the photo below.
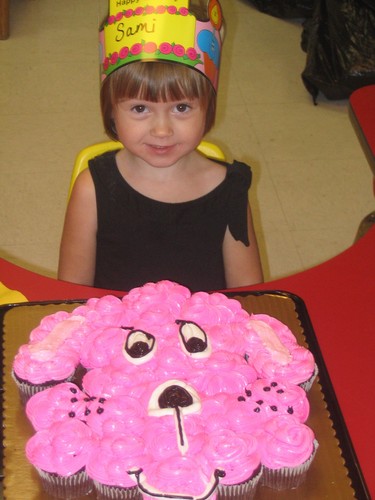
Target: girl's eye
(139, 108)
(182, 107)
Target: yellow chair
(207, 148)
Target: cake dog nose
(171, 396)
(175, 396)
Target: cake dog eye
(139, 347)
(193, 339)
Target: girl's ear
(113, 127)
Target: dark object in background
(288, 9)
(339, 40)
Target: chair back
(209, 149)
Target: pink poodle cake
(184, 396)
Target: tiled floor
(312, 184)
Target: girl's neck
(192, 177)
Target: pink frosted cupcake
(116, 454)
(177, 476)
(274, 352)
(287, 448)
(57, 404)
(103, 311)
(236, 455)
(270, 398)
(51, 356)
(157, 300)
(60, 454)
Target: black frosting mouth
(148, 490)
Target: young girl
(158, 209)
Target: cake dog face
(178, 391)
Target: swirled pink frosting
(285, 442)
(176, 475)
(63, 449)
(116, 415)
(102, 346)
(114, 456)
(235, 453)
(222, 372)
(56, 404)
(105, 311)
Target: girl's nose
(161, 126)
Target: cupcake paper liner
(108, 492)
(287, 477)
(308, 384)
(66, 487)
(27, 389)
(241, 491)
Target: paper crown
(162, 30)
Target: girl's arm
(241, 263)
(78, 242)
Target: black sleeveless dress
(141, 240)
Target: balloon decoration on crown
(162, 30)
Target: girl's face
(159, 133)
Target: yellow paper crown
(163, 30)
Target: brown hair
(155, 81)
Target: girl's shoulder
(239, 168)
(103, 160)
(103, 169)
(237, 172)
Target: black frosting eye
(193, 338)
(139, 345)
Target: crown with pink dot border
(161, 30)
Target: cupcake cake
(183, 396)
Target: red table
(340, 298)
(362, 114)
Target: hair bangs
(158, 81)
